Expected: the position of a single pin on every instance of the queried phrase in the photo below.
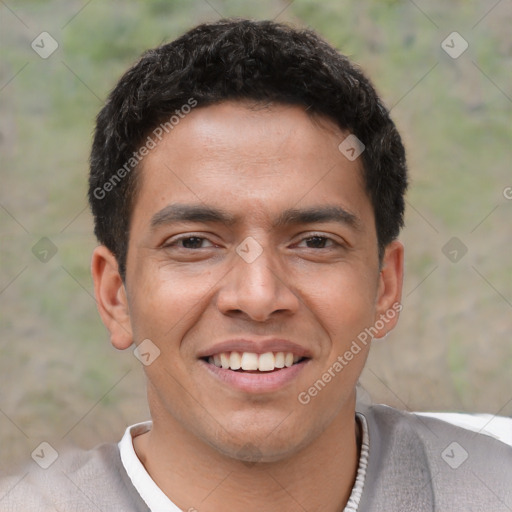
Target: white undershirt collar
(154, 497)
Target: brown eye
(192, 242)
(189, 242)
(317, 242)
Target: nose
(257, 290)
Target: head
(230, 135)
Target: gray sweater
(416, 464)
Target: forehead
(254, 159)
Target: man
(247, 188)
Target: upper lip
(255, 346)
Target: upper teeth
(250, 361)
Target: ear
(389, 292)
(111, 297)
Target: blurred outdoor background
(62, 382)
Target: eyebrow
(293, 216)
(317, 214)
(191, 213)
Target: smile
(253, 373)
(250, 361)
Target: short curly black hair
(240, 59)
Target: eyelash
(174, 242)
(179, 239)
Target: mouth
(250, 362)
(249, 372)
(259, 366)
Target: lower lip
(264, 382)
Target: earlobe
(390, 289)
(111, 297)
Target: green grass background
(60, 380)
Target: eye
(318, 242)
(189, 242)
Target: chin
(258, 446)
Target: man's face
(251, 233)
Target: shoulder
(451, 468)
(78, 480)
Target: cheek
(165, 302)
(342, 299)
(344, 305)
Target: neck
(209, 481)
